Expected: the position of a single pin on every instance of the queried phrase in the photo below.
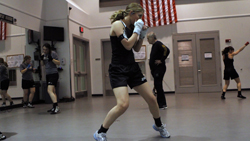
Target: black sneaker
(241, 96)
(30, 105)
(223, 97)
(50, 110)
(4, 104)
(56, 110)
(11, 103)
(2, 137)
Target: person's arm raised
(239, 50)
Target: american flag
(3, 30)
(159, 12)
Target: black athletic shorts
(27, 84)
(231, 73)
(123, 75)
(52, 79)
(4, 85)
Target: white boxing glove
(138, 26)
(143, 33)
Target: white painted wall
(27, 12)
(14, 44)
(55, 14)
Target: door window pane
(75, 58)
(83, 84)
(82, 58)
(76, 83)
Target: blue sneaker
(100, 136)
(163, 131)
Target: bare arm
(238, 51)
(138, 45)
(117, 29)
(57, 62)
(24, 70)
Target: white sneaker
(100, 136)
(4, 104)
(30, 105)
(56, 110)
(2, 137)
(163, 131)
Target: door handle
(199, 66)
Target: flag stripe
(0, 30)
(147, 10)
(169, 12)
(159, 12)
(3, 28)
(153, 12)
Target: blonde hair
(118, 15)
(27, 57)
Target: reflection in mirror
(20, 42)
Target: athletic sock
(158, 122)
(239, 93)
(54, 105)
(223, 93)
(102, 130)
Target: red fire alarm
(228, 40)
(81, 29)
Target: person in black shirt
(159, 53)
(126, 27)
(229, 71)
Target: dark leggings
(158, 74)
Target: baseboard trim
(14, 98)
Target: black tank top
(229, 63)
(120, 55)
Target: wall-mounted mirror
(18, 43)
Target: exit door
(80, 67)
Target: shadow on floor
(177, 138)
(9, 134)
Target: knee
(239, 83)
(50, 91)
(33, 90)
(152, 100)
(123, 106)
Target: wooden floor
(189, 117)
